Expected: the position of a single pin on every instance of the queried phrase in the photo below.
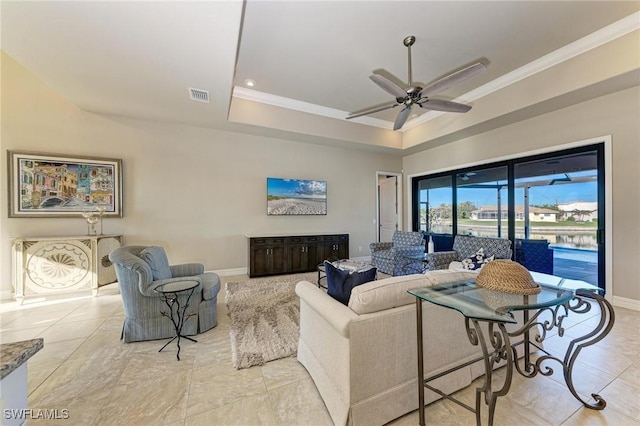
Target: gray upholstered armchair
(465, 246)
(140, 270)
(390, 257)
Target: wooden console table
(275, 255)
(51, 265)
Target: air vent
(199, 95)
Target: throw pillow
(341, 282)
(477, 261)
(157, 260)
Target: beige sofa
(363, 358)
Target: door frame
(376, 221)
(608, 191)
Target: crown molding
(293, 104)
(598, 38)
(602, 36)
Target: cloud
(312, 188)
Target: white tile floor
(86, 369)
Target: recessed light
(249, 82)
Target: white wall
(616, 115)
(195, 191)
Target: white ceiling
(138, 59)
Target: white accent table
(51, 265)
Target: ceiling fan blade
(448, 106)
(371, 111)
(402, 118)
(389, 86)
(452, 79)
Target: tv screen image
(296, 197)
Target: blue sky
(586, 191)
(296, 188)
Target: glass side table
(479, 305)
(170, 292)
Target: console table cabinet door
(334, 247)
(302, 257)
(62, 264)
(267, 257)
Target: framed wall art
(51, 185)
(296, 197)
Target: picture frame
(296, 197)
(54, 185)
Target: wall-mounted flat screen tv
(296, 197)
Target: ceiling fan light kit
(416, 95)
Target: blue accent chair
(390, 257)
(535, 255)
(140, 270)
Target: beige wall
(195, 191)
(616, 115)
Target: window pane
(557, 220)
(483, 202)
(436, 201)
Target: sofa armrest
(186, 269)
(335, 313)
(380, 246)
(440, 259)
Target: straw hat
(507, 276)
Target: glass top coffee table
(496, 309)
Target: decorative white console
(51, 265)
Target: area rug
(264, 318)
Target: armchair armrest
(380, 246)
(408, 250)
(186, 269)
(440, 259)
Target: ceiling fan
(416, 95)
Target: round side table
(177, 312)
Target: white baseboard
(624, 302)
(229, 272)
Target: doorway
(388, 203)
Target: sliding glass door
(555, 218)
(557, 214)
(436, 205)
(482, 201)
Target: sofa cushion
(157, 260)
(340, 282)
(392, 292)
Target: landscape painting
(56, 186)
(296, 197)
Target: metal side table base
(498, 344)
(177, 313)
